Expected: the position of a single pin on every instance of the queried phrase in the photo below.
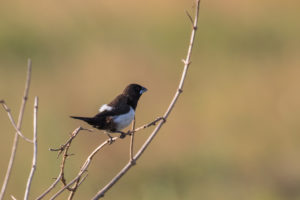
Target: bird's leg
(110, 137)
(123, 134)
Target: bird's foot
(122, 134)
(110, 140)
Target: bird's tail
(88, 120)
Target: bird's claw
(110, 140)
(122, 135)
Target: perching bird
(119, 113)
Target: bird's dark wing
(104, 119)
(119, 106)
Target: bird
(119, 113)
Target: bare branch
(189, 16)
(69, 141)
(170, 108)
(131, 141)
(51, 187)
(16, 138)
(5, 107)
(83, 179)
(13, 198)
(77, 184)
(63, 148)
(74, 189)
(84, 166)
(36, 101)
(153, 123)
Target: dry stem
(65, 147)
(84, 166)
(16, 138)
(131, 141)
(34, 158)
(51, 187)
(5, 107)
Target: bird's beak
(143, 90)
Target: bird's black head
(133, 92)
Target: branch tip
(189, 16)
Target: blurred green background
(234, 133)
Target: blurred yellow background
(234, 133)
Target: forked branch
(34, 157)
(63, 149)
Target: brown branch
(51, 187)
(16, 138)
(77, 184)
(74, 189)
(170, 108)
(84, 166)
(34, 157)
(69, 141)
(63, 148)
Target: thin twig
(153, 123)
(69, 141)
(13, 198)
(51, 187)
(5, 107)
(16, 138)
(84, 166)
(170, 108)
(34, 158)
(63, 148)
(77, 184)
(83, 179)
(189, 16)
(74, 189)
(62, 166)
(131, 141)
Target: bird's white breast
(105, 107)
(122, 121)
